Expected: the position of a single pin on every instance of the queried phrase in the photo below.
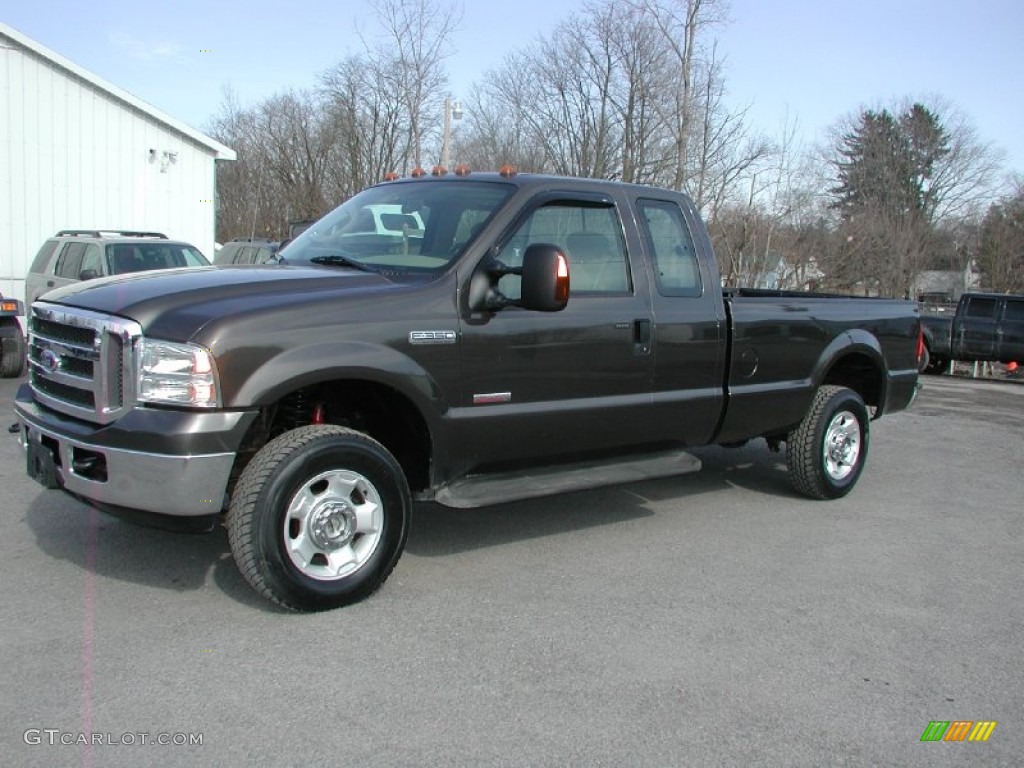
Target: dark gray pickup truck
(515, 336)
(984, 327)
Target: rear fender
(854, 359)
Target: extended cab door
(545, 384)
(975, 328)
(689, 321)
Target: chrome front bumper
(178, 485)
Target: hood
(173, 304)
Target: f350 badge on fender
(432, 337)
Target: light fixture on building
(166, 158)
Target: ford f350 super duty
(532, 334)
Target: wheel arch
(855, 360)
(398, 405)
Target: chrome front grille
(81, 362)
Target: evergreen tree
(887, 195)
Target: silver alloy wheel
(842, 445)
(333, 525)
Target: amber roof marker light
(508, 170)
(462, 169)
(392, 176)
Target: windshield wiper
(337, 260)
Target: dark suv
(78, 254)
(246, 250)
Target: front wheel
(319, 518)
(825, 454)
(12, 355)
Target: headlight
(179, 374)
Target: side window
(229, 254)
(91, 260)
(589, 234)
(69, 264)
(42, 259)
(984, 309)
(676, 270)
(1014, 310)
(123, 258)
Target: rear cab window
(673, 255)
(1014, 310)
(980, 308)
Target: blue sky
(813, 60)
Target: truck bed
(782, 341)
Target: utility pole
(452, 111)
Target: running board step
(485, 490)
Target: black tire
(12, 356)
(291, 468)
(837, 415)
(937, 366)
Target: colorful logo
(959, 730)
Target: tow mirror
(545, 285)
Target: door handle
(642, 336)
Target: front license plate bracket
(41, 464)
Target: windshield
(409, 227)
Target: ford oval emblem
(50, 360)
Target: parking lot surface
(711, 619)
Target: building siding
(75, 156)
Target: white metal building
(77, 152)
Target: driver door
(539, 385)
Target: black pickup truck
(984, 327)
(530, 335)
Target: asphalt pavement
(711, 619)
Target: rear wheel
(937, 365)
(825, 454)
(319, 518)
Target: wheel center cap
(332, 525)
(842, 448)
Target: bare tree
(749, 235)
(1001, 254)
(369, 119)
(246, 203)
(299, 140)
(410, 62)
